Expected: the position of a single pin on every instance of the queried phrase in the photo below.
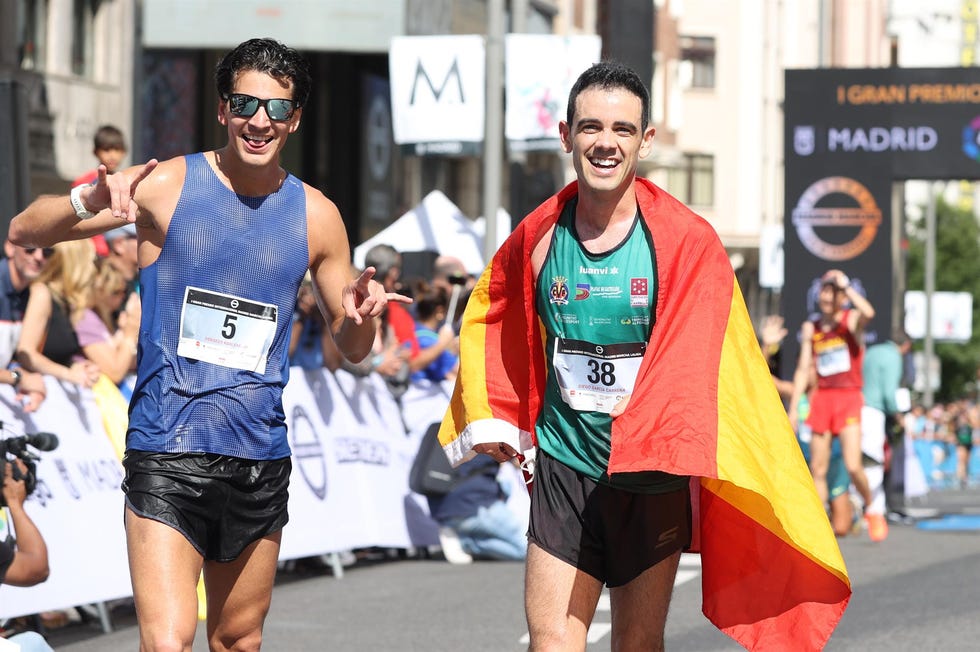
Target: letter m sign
(438, 89)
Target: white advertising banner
(352, 448)
(952, 315)
(351, 458)
(77, 505)
(540, 70)
(771, 263)
(438, 91)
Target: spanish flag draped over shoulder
(704, 405)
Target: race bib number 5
(226, 330)
(593, 377)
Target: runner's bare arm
(349, 304)
(863, 311)
(801, 377)
(50, 219)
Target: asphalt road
(918, 590)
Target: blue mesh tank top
(217, 306)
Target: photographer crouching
(24, 560)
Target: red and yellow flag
(704, 405)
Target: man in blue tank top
(225, 239)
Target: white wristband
(76, 203)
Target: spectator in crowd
(964, 424)
(388, 357)
(107, 331)
(474, 518)
(311, 343)
(20, 268)
(833, 346)
(435, 332)
(59, 297)
(24, 560)
(882, 427)
(123, 254)
(771, 337)
(449, 271)
(388, 263)
(109, 148)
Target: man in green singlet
(597, 285)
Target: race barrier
(352, 447)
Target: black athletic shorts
(611, 534)
(221, 504)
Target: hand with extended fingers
(116, 191)
(365, 298)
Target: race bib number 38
(593, 377)
(226, 330)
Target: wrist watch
(15, 377)
(76, 203)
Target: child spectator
(109, 147)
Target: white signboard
(771, 263)
(438, 92)
(952, 315)
(540, 71)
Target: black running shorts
(221, 504)
(611, 534)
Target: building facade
(73, 63)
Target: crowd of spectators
(948, 431)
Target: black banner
(850, 135)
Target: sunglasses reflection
(245, 106)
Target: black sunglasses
(47, 252)
(245, 106)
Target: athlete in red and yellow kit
(833, 346)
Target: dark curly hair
(609, 75)
(268, 56)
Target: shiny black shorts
(611, 534)
(221, 504)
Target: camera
(16, 447)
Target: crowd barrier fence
(352, 447)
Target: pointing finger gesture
(116, 191)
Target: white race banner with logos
(352, 444)
(351, 457)
(77, 504)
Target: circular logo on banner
(308, 452)
(858, 223)
(971, 139)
